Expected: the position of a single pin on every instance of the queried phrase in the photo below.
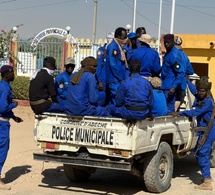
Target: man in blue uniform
(139, 31)
(101, 58)
(172, 72)
(7, 104)
(42, 92)
(83, 98)
(149, 58)
(203, 105)
(134, 98)
(133, 38)
(117, 56)
(62, 81)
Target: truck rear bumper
(86, 162)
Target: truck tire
(74, 174)
(212, 159)
(158, 169)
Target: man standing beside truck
(6, 106)
(204, 105)
(172, 72)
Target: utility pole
(94, 21)
(134, 15)
(172, 17)
(159, 28)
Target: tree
(5, 40)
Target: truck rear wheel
(75, 174)
(158, 169)
(213, 155)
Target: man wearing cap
(203, 109)
(117, 56)
(83, 97)
(133, 38)
(62, 80)
(134, 98)
(149, 58)
(7, 104)
(42, 94)
(172, 72)
(101, 58)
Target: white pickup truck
(143, 148)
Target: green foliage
(5, 39)
(20, 87)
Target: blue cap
(132, 35)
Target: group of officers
(127, 81)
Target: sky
(34, 16)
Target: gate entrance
(49, 42)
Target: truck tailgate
(72, 132)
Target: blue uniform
(150, 61)
(115, 69)
(172, 75)
(61, 86)
(159, 104)
(6, 106)
(134, 99)
(188, 68)
(203, 109)
(100, 69)
(83, 98)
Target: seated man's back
(134, 97)
(83, 96)
(42, 94)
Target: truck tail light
(114, 152)
(49, 145)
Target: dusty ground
(29, 177)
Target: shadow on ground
(101, 182)
(115, 182)
(187, 167)
(16, 172)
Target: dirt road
(29, 177)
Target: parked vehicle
(144, 148)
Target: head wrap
(89, 61)
(86, 62)
(204, 84)
(168, 38)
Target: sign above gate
(50, 32)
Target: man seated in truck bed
(134, 98)
(83, 97)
